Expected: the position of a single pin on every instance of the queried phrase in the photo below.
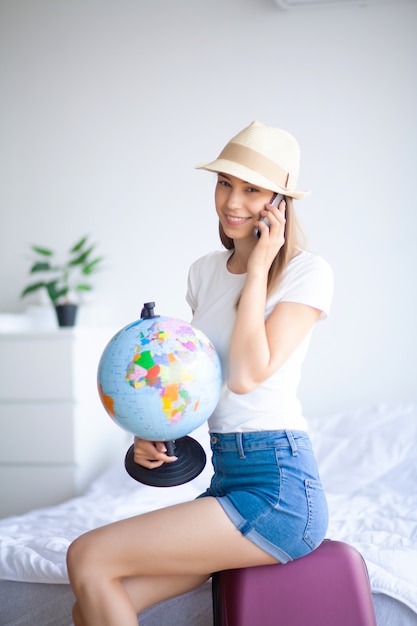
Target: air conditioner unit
(302, 4)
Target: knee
(74, 558)
(80, 560)
(76, 616)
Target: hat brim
(244, 173)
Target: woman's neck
(238, 260)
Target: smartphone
(276, 199)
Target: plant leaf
(83, 287)
(43, 251)
(80, 260)
(78, 246)
(92, 266)
(40, 266)
(31, 288)
(54, 292)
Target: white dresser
(55, 436)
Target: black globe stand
(189, 464)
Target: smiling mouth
(236, 221)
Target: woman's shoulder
(211, 259)
(204, 272)
(307, 262)
(307, 279)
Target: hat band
(256, 162)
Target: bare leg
(118, 570)
(76, 615)
(144, 592)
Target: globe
(159, 378)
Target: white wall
(107, 105)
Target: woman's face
(238, 205)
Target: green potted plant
(67, 280)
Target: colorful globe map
(159, 378)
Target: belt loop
(292, 443)
(239, 445)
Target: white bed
(368, 464)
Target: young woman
(257, 301)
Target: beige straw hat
(263, 156)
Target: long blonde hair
(294, 240)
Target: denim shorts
(269, 486)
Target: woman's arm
(259, 348)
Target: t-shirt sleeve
(309, 281)
(191, 296)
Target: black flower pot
(66, 314)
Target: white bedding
(368, 464)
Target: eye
(252, 190)
(223, 182)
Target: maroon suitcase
(328, 587)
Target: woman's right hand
(151, 454)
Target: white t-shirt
(212, 294)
